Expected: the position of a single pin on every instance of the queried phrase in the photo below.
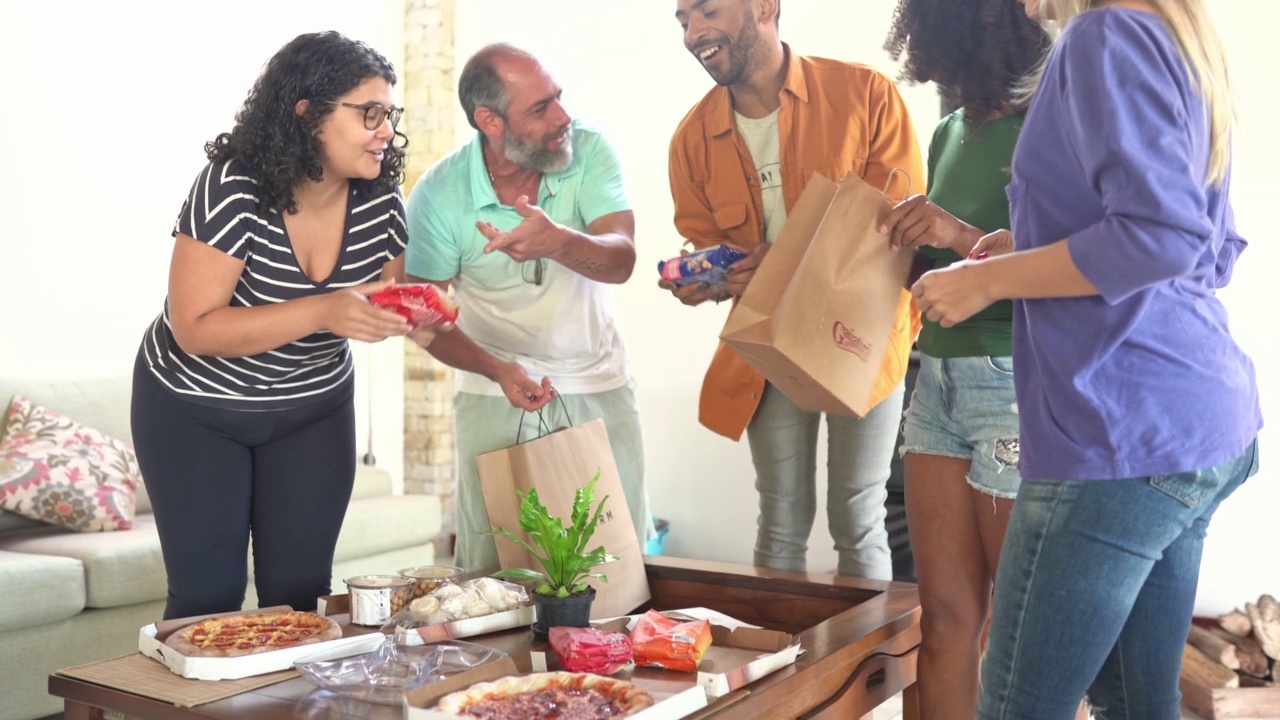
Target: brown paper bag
(557, 464)
(817, 317)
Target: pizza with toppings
(559, 695)
(239, 635)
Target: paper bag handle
(544, 426)
(889, 180)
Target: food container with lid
(429, 577)
(375, 598)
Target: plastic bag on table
(659, 641)
(384, 674)
(590, 650)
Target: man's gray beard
(537, 157)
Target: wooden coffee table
(859, 637)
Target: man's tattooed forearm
(593, 265)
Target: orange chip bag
(659, 641)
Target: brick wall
(430, 100)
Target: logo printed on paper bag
(605, 517)
(848, 341)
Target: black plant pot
(550, 611)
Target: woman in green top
(960, 447)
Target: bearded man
(739, 161)
(530, 224)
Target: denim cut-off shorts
(966, 408)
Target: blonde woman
(1138, 411)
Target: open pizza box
(151, 643)
(672, 699)
(739, 654)
(339, 606)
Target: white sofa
(71, 598)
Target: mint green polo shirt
(564, 328)
(453, 195)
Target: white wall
(624, 68)
(1234, 569)
(102, 134)
(108, 106)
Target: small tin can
(375, 598)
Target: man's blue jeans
(1095, 591)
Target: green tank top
(968, 171)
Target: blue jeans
(1095, 591)
(784, 447)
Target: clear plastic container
(385, 673)
(452, 602)
(429, 577)
(375, 598)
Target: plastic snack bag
(590, 650)
(659, 641)
(418, 303)
(709, 266)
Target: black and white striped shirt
(223, 211)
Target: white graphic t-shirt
(761, 136)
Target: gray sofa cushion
(388, 523)
(370, 482)
(120, 568)
(39, 589)
(101, 403)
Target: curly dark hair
(279, 146)
(975, 50)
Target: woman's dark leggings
(216, 476)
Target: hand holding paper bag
(557, 465)
(817, 317)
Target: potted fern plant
(561, 595)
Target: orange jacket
(836, 117)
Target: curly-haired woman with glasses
(242, 393)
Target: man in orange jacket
(739, 161)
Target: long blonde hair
(1202, 51)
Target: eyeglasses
(376, 114)
(532, 270)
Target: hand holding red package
(419, 304)
(659, 641)
(590, 650)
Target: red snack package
(590, 650)
(659, 641)
(418, 303)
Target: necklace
(965, 140)
(489, 170)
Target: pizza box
(151, 643)
(739, 654)
(672, 700)
(334, 605)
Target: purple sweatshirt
(1144, 379)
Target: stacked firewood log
(1241, 651)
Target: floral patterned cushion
(56, 470)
